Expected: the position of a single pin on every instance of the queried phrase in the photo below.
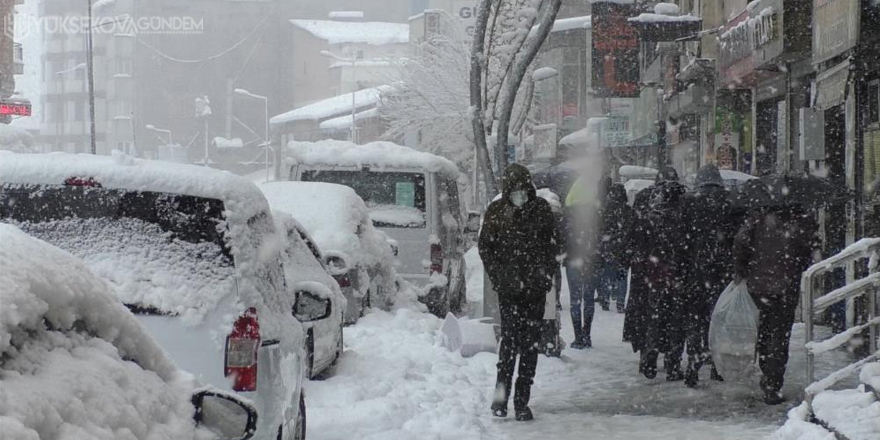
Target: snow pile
(222, 142)
(396, 382)
(344, 122)
(331, 107)
(402, 216)
(381, 155)
(798, 428)
(661, 18)
(147, 266)
(544, 73)
(853, 413)
(372, 33)
(16, 139)
(567, 24)
(74, 359)
(666, 9)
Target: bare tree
(508, 36)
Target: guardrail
(869, 285)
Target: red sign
(615, 51)
(10, 108)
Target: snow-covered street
(396, 381)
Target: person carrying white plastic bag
(733, 333)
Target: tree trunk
(477, 55)
(520, 68)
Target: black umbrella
(751, 194)
(558, 178)
(805, 191)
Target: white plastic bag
(733, 333)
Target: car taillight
(242, 346)
(436, 258)
(343, 281)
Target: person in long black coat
(710, 228)
(519, 246)
(653, 313)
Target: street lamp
(265, 99)
(353, 62)
(152, 127)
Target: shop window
(874, 101)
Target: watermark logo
(23, 25)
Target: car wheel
(300, 433)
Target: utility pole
(91, 74)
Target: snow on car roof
(242, 200)
(344, 32)
(330, 213)
(41, 282)
(381, 155)
(332, 107)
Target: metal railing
(868, 285)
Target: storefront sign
(835, 27)
(616, 132)
(831, 86)
(737, 45)
(615, 50)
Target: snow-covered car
(303, 267)
(411, 195)
(193, 253)
(355, 253)
(74, 362)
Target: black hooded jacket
(617, 222)
(519, 245)
(711, 227)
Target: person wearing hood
(665, 250)
(710, 227)
(519, 246)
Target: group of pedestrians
(676, 249)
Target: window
(124, 67)
(874, 101)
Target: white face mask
(519, 198)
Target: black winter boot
(648, 363)
(692, 374)
(673, 370)
(522, 394)
(588, 329)
(578, 343)
(524, 415)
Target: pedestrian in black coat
(771, 252)
(710, 228)
(519, 246)
(614, 247)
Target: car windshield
(395, 199)
(163, 253)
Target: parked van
(412, 196)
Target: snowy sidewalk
(396, 382)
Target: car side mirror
(310, 307)
(473, 223)
(336, 263)
(225, 415)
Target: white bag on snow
(733, 333)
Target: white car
(193, 253)
(303, 267)
(358, 256)
(75, 363)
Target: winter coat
(710, 227)
(638, 309)
(616, 225)
(519, 245)
(773, 248)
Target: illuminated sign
(15, 108)
(615, 51)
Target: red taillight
(343, 281)
(242, 346)
(436, 258)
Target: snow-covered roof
(332, 107)
(662, 18)
(379, 155)
(344, 122)
(241, 198)
(343, 32)
(567, 24)
(222, 142)
(543, 73)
